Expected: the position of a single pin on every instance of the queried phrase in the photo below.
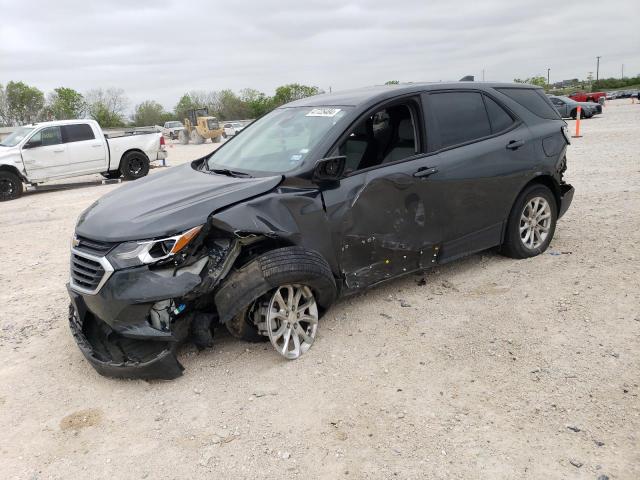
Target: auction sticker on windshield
(323, 112)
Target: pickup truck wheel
(532, 223)
(573, 114)
(10, 186)
(134, 165)
(183, 137)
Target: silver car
(568, 108)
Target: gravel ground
(497, 368)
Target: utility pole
(548, 70)
(597, 68)
(483, 74)
(622, 73)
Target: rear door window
(77, 133)
(498, 117)
(533, 100)
(459, 117)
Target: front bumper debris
(115, 355)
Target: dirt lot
(497, 368)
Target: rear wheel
(10, 186)
(217, 139)
(134, 165)
(183, 136)
(532, 223)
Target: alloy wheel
(535, 222)
(292, 320)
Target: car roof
(60, 122)
(366, 95)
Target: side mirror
(329, 169)
(31, 144)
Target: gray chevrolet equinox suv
(320, 198)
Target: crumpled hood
(166, 203)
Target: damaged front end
(133, 303)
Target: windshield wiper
(230, 173)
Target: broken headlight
(146, 252)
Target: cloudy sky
(159, 49)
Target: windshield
(279, 141)
(16, 137)
(173, 124)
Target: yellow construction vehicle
(198, 126)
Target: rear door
(44, 155)
(479, 151)
(85, 152)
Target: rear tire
(10, 186)
(573, 114)
(217, 139)
(523, 219)
(183, 137)
(134, 165)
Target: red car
(587, 97)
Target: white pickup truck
(45, 151)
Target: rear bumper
(566, 197)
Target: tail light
(161, 140)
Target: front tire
(531, 224)
(183, 137)
(134, 165)
(10, 186)
(196, 138)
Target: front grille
(94, 247)
(88, 273)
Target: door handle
(97, 146)
(58, 151)
(515, 144)
(424, 172)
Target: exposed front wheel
(183, 136)
(532, 223)
(10, 186)
(134, 165)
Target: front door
(381, 225)
(44, 155)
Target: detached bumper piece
(114, 355)
(566, 197)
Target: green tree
(148, 113)
(185, 103)
(392, 82)
(539, 81)
(293, 91)
(65, 104)
(231, 106)
(4, 114)
(257, 102)
(24, 103)
(107, 107)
